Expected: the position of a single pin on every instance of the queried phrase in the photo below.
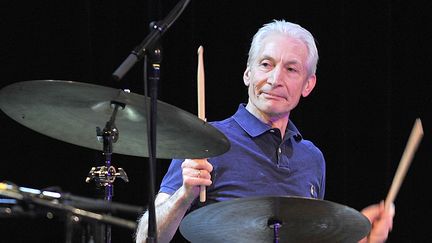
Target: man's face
(278, 76)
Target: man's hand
(381, 220)
(196, 172)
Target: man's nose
(276, 76)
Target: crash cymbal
(70, 111)
(250, 220)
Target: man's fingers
(199, 164)
(196, 173)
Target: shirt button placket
(279, 152)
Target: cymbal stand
(104, 176)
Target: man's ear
(309, 85)
(246, 76)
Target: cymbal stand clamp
(103, 176)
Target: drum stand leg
(78, 231)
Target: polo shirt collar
(254, 127)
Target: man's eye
(290, 69)
(265, 64)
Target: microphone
(157, 30)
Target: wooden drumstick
(201, 103)
(411, 147)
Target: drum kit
(117, 121)
(76, 110)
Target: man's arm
(169, 213)
(170, 209)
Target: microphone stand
(156, 59)
(157, 30)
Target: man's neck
(279, 121)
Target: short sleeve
(173, 179)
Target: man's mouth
(270, 95)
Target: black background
(373, 82)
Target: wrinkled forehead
(281, 47)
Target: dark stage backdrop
(373, 82)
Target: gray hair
(291, 30)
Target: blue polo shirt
(259, 163)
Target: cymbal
(70, 111)
(301, 219)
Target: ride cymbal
(71, 111)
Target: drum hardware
(104, 176)
(275, 224)
(13, 194)
(73, 209)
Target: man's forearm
(169, 214)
